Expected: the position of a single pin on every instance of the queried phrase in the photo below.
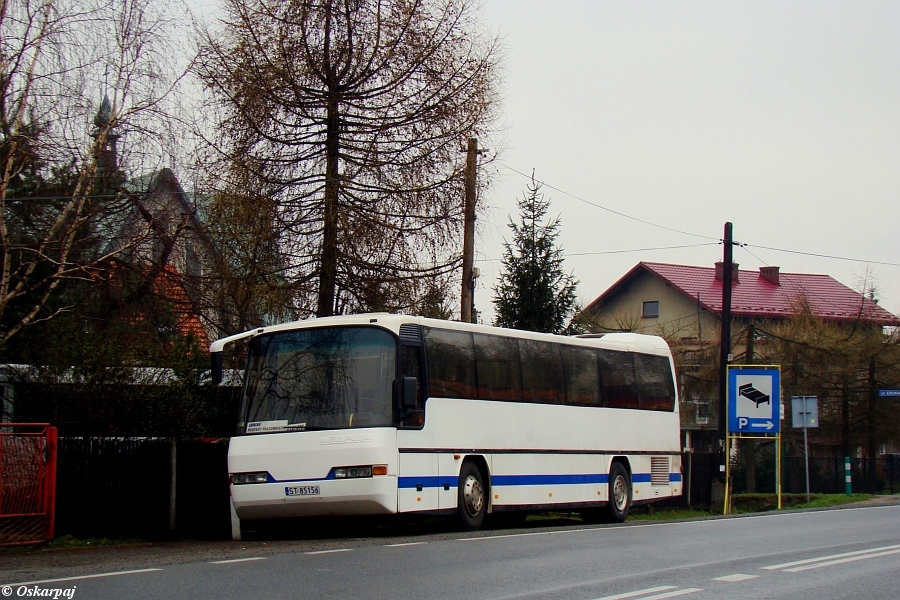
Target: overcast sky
(781, 117)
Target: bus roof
(392, 322)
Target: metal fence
(143, 487)
(827, 475)
(27, 483)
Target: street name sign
(754, 400)
(889, 393)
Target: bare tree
(353, 114)
(57, 59)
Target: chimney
(720, 272)
(770, 274)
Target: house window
(651, 309)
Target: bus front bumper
(367, 496)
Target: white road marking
(842, 560)
(511, 535)
(829, 558)
(236, 560)
(668, 591)
(672, 594)
(77, 577)
(404, 544)
(330, 551)
(735, 577)
(637, 593)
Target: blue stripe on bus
(569, 479)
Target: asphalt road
(821, 555)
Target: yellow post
(728, 483)
(778, 467)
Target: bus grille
(659, 470)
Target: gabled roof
(755, 296)
(163, 182)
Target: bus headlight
(359, 472)
(245, 478)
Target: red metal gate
(27, 483)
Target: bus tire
(471, 497)
(619, 492)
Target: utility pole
(725, 346)
(467, 298)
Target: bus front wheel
(471, 500)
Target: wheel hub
(473, 495)
(620, 492)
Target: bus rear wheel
(619, 493)
(471, 499)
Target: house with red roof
(685, 302)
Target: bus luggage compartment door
(418, 485)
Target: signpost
(753, 411)
(805, 413)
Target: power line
(609, 210)
(859, 260)
(641, 249)
(568, 254)
(744, 248)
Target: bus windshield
(319, 378)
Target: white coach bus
(380, 414)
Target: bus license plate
(302, 490)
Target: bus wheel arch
(621, 489)
(473, 493)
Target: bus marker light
(379, 470)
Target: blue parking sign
(754, 400)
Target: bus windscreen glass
(327, 378)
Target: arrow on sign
(763, 425)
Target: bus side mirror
(216, 365)
(408, 393)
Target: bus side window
(655, 383)
(619, 380)
(411, 366)
(498, 368)
(451, 364)
(581, 375)
(542, 372)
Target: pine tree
(534, 293)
